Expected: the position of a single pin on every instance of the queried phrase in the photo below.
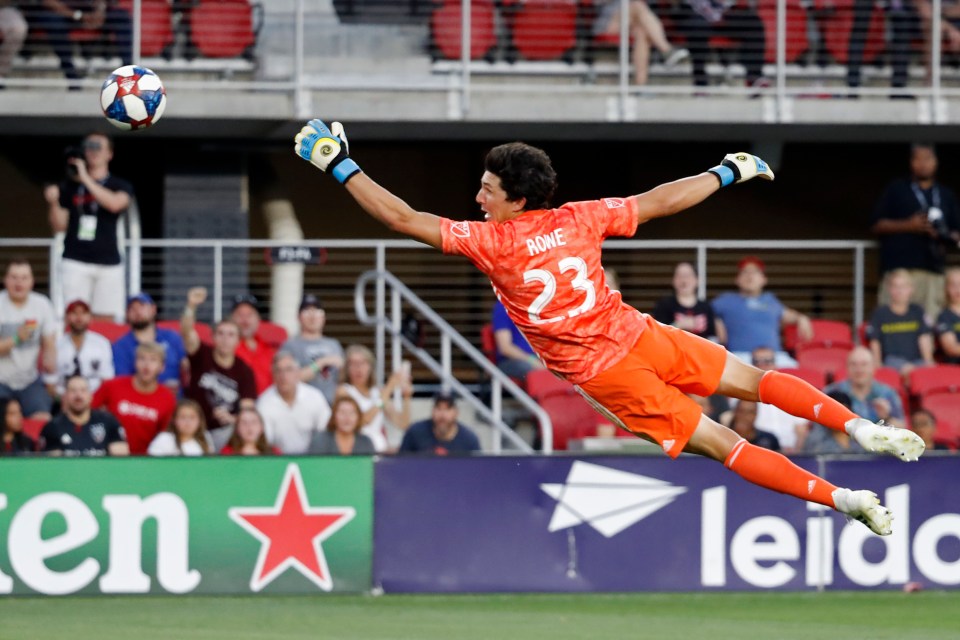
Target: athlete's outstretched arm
(328, 149)
(682, 194)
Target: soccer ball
(133, 97)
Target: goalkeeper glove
(740, 167)
(327, 149)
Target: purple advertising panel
(649, 524)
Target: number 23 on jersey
(573, 273)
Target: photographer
(87, 206)
(917, 220)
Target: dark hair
(101, 134)
(917, 146)
(201, 435)
(524, 172)
(236, 443)
(926, 412)
(842, 397)
(17, 261)
(21, 439)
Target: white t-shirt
(95, 359)
(19, 367)
(375, 428)
(165, 444)
(290, 428)
(780, 423)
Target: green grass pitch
(931, 615)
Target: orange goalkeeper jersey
(545, 269)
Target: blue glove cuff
(345, 170)
(725, 174)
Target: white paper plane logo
(607, 499)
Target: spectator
(515, 356)
(320, 357)
(142, 318)
(701, 20)
(13, 441)
(789, 430)
(292, 411)
(219, 381)
(947, 328)
(342, 436)
(376, 404)
(28, 332)
(901, 19)
(80, 430)
(248, 437)
(826, 441)
(186, 434)
(59, 17)
(753, 318)
(143, 406)
(870, 399)
(684, 310)
(924, 424)
(13, 32)
(81, 351)
(899, 334)
(915, 219)
(645, 30)
(87, 208)
(744, 422)
(441, 434)
(252, 349)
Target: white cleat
(864, 506)
(880, 438)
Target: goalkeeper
(544, 264)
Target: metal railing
(388, 322)
(807, 50)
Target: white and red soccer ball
(133, 97)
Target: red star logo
(290, 533)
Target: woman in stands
(645, 30)
(15, 442)
(343, 437)
(249, 436)
(356, 381)
(186, 436)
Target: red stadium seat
(826, 333)
(156, 25)
(796, 29)
(827, 360)
(488, 342)
(203, 329)
(946, 409)
(32, 428)
(272, 333)
(222, 28)
(941, 377)
(445, 29)
(572, 418)
(542, 384)
(814, 376)
(543, 29)
(112, 331)
(836, 26)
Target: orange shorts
(645, 392)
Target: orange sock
(772, 470)
(800, 398)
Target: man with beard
(81, 431)
(142, 405)
(142, 318)
(80, 351)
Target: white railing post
(466, 52)
(936, 25)
(137, 19)
(858, 284)
(496, 407)
(299, 106)
(702, 270)
(624, 56)
(781, 60)
(381, 302)
(217, 281)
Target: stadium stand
(939, 378)
(828, 360)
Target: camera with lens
(939, 224)
(70, 153)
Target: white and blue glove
(327, 148)
(740, 167)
